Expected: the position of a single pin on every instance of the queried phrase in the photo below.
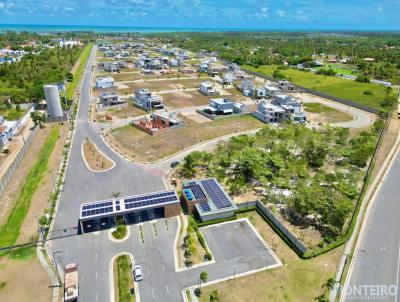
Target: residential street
(377, 259)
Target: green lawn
(335, 86)
(83, 59)
(340, 69)
(124, 271)
(9, 232)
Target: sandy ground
(9, 195)
(41, 198)
(25, 280)
(94, 159)
(196, 117)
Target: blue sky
(284, 14)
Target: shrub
(214, 296)
(204, 276)
(363, 78)
(197, 292)
(120, 232)
(368, 92)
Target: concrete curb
(112, 239)
(111, 276)
(50, 273)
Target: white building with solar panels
(104, 214)
(208, 199)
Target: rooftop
(210, 196)
(119, 206)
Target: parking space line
(148, 270)
(96, 274)
(163, 268)
(159, 249)
(166, 286)
(152, 291)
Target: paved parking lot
(233, 240)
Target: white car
(137, 273)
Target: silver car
(137, 273)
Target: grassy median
(125, 282)
(77, 75)
(10, 231)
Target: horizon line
(201, 28)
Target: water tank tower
(53, 101)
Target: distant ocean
(109, 29)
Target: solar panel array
(215, 193)
(97, 208)
(152, 199)
(107, 207)
(196, 189)
(205, 206)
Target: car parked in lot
(137, 273)
(174, 164)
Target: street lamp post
(55, 264)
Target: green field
(9, 232)
(340, 69)
(83, 59)
(335, 86)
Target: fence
(261, 207)
(11, 169)
(320, 94)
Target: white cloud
(281, 13)
(2, 5)
(264, 9)
(69, 9)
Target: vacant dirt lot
(141, 146)
(185, 99)
(163, 85)
(24, 279)
(121, 113)
(11, 192)
(319, 113)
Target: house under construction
(158, 123)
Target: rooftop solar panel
(205, 206)
(215, 193)
(101, 208)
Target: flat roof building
(100, 215)
(208, 199)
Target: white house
(207, 88)
(270, 90)
(104, 82)
(269, 113)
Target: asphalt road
(94, 251)
(82, 185)
(377, 259)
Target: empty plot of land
(121, 113)
(319, 113)
(163, 85)
(185, 99)
(196, 117)
(141, 146)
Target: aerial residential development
(193, 157)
